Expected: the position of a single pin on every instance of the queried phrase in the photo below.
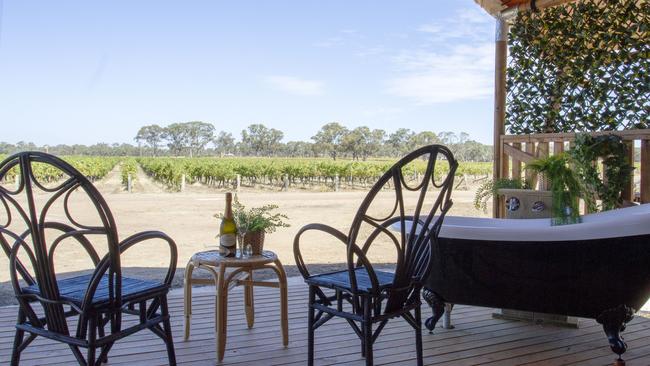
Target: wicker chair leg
(418, 336)
(310, 326)
(103, 355)
(18, 340)
(363, 340)
(167, 327)
(367, 331)
(92, 337)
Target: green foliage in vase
(257, 218)
(580, 67)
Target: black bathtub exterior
(604, 279)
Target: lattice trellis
(580, 67)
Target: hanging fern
(565, 187)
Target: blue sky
(87, 72)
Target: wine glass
(240, 244)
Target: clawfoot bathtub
(597, 269)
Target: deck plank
(477, 339)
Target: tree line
(332, 140)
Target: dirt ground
(188, 218)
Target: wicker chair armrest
(351, 248)
(300, 263)
(147, 235)
(127, 243)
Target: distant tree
(423, 138)
(198, 134)
(471, 150)
(463, 137)
(60, 149)
(152, 135)
(260, 140)
(224, 143)
(399, 142)
(299, 149)
(101, 149)
(78, 149)
(124, 149)
(7, 148)
(447, 137)
(177, 139)
(360, 142)
(25, 146)
(375, 143)
(329, 138)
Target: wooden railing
(516, 150)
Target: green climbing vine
(580, 67)
(617, 169)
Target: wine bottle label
(228, 240)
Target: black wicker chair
(30, 232)
(364, 295)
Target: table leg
(221, 314)
(187, 298)
(284, 306)
(249, 306)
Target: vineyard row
(93, 168)
(270, 171)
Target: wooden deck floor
(477, 339)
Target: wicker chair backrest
(35, 217)
(431, 193)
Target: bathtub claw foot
(613, 321)
(437, 306)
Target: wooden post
(285, 182)
(542, 152)
(558, 147)
(129, 183)
(336, 183)
(237, 182)
(645, 171)
(531, 177)
(182, 182)
(505, 173)
(628, 191)
(500, 64)
(516, 164)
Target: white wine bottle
(228, 230)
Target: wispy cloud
(453, 63)
(464, 73)
(468, 23)
(330, 42)
(295, 85)
(340, 38)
